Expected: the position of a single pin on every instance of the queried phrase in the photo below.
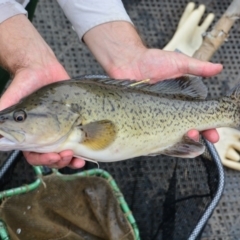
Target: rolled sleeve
(86, 14)
(10, 8)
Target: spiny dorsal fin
(182, 87)
(234, 92)
(99, 134)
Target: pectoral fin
(98, 135)
(187, 148)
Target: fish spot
(89, 111)
(75, 107)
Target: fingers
(34, 78)
(197, 35)
(188, 65)
(232, 155)
(231, 158)
(54, 160)
(207, 22)
(229, 140)
(41, 159)
(228, 147)
(166, 64)
(76, 163)
(193, 134)
(236, 145)
(211, 135)
(231, 164)
(188, 10)
(196, 16)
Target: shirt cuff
(9, 9)
(85, 15)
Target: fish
(105, 120)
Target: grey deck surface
(162, 18)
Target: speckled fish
(103, 119)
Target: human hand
(33, 65)
(34, 78)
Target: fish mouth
(7, 144)
(11, 136)
(2, 138)
(11, 140)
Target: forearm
(114, 44)
(28, 58)
(106, 28)
(21, 46)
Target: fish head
(28, 127)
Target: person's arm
(119, 49)
(115, 43)
(33, 64)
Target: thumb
(29, 80)
(19, 88)
(188, 65)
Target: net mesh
(166, 195)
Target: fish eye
(19, 116)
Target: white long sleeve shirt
(83, 14)
(86, 14)
(10, 8)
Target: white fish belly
(119, 150)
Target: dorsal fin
(182, 87)
(234, 92)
